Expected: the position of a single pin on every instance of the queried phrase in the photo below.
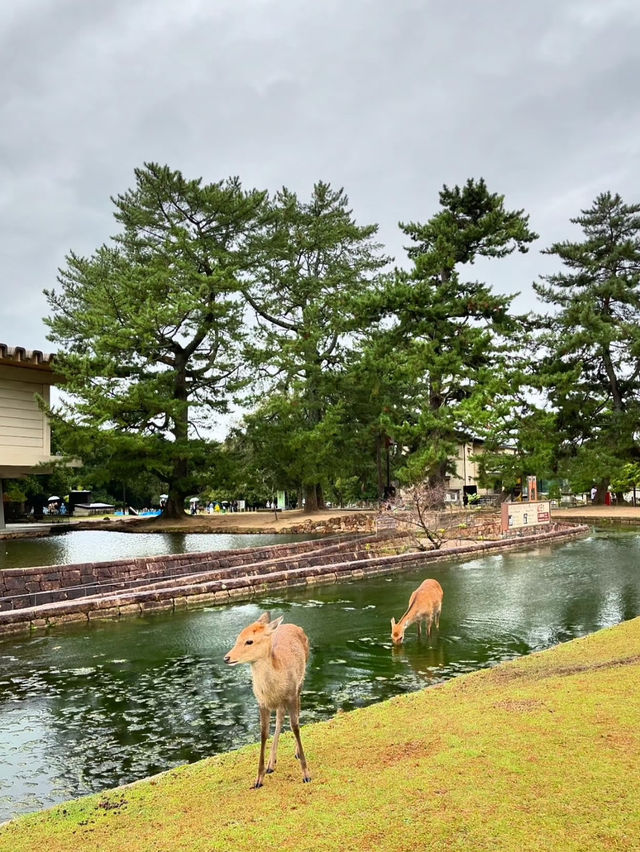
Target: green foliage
(151, 326)
(591, 370)
(210, 294)
(627, 477)
(444, 339)
(313, 264)
(14, 492)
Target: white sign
(518, 515)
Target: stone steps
(20, 588)
(195, 591)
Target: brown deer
(277, 654)
(425, 604)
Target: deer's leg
(438, 611)
(297, 754)
(265, 719)
(294, 714)
(419, 628)
(276, 736)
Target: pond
(89, 707)
(104, 546)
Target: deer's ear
(265, 618)
(273, 625)
(393, 622)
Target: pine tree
(444, 337)
(151, 326)
(314, 263)
(591, 341)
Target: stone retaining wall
(604, 520)
(206, 588)
(21, 587)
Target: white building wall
(25, 435)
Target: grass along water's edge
(536, 754)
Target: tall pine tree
(314, 262)
(445, 336)
(591, 340)
(151, 326)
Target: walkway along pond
(98, 704)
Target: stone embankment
(600, 516)
(33, 598)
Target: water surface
(92, 706)
(105, 546)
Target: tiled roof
(19, 356)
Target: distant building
(83, 509)
(25, 434)
(466, 475)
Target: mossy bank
(537, 754)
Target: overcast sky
(388, 98)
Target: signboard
(516, 516)
(386, 522)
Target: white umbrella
(53, 499)
(164, 496)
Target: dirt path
(242, 522)
(599, 513)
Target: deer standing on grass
(278, 655)
(425, 604)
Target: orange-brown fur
(425, 604)
(277, 654)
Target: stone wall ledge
(247, 586)
(72, 573)
(62, 591)
(13, 580)
(269, 551)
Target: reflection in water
(426, 661)
(104, 546)
(97, 705)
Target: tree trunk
(603, 487)
(174, 507)
(379, 466)
(177, 483)
(320, 497)
(310, 499)
(614, 385)
(438, 476)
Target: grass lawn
(539, 754)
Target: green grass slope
(539, 754)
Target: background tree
(591, 370)
(151, 326)
(314, 262)
(627, 478)
(443, 339)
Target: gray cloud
(389, 100)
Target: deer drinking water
(277, 654)
(425, 604)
